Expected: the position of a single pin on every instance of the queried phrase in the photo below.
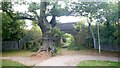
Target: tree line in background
(105, 18)
(103, 14)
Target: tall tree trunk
(99, 36)
(47, 42)
(91, 31)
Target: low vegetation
(10, 63)
(24, 53)
(99, 63)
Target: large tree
(87, 9)
(39, 17)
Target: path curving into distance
(72, 60)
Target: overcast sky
(62, 19)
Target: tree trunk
(47, 41)
(94, 43)
(91, 31)
(99, 37)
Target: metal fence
(17, 45)
(11, 45)
(109, 47)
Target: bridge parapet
(67, 27)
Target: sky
(28, 24)
(62, 19)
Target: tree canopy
(101, 13)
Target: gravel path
(66, 60)
(69, 60)
(24, 60)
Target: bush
(74, 46)
(57, 35)
(32, 46)
(68, 38)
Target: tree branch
(8, 14)
(20, 17)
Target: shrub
(57, 36)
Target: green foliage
(94, 9)
(11, 30)
(33, 6)
(111, 12)
(99, 63)
(82, 39)
(69, 39)
(33, 46)
(11, 63)
(81, 33)
(108, 12)
(59, 51)
(109, 35)
(80, 27)
(58, 11)
(57, 35)
(32, 38)
(6, 5)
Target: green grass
(24, 53)
(99, 63)
(59, 51)
(11, 63)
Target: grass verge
(99, 63)
(24, 53)
(10, 63)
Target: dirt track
(68, 58)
